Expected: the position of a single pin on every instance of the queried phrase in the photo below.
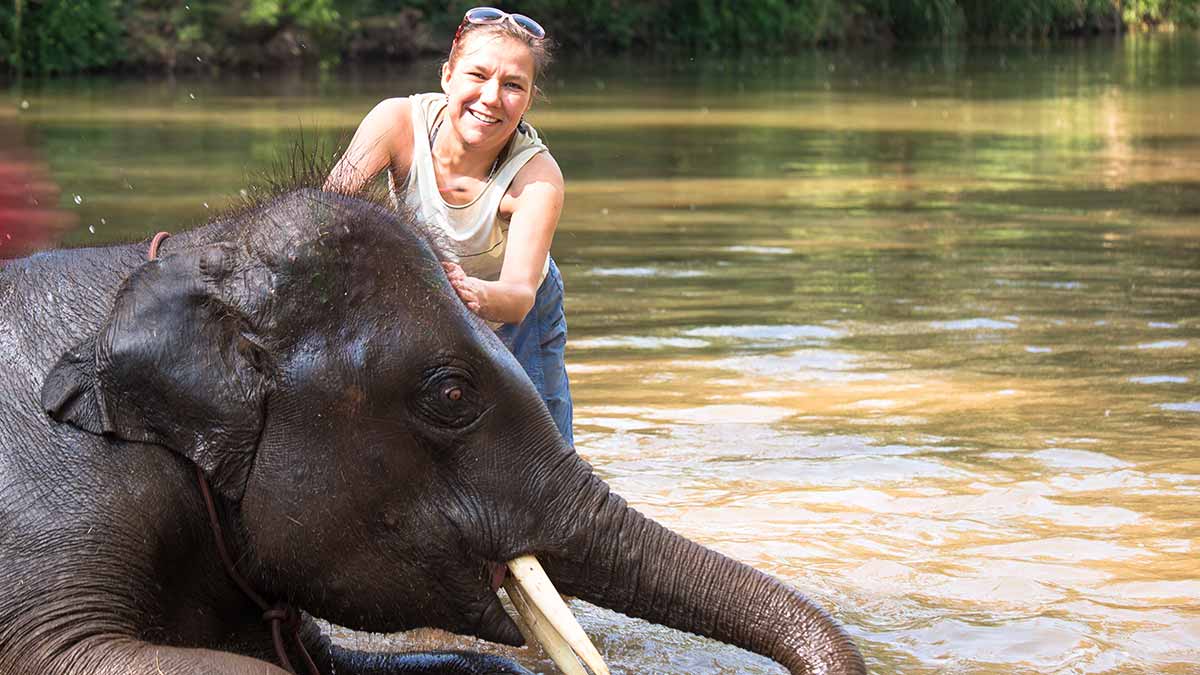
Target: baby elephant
(287, 414)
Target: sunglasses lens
(532, 27)
(484, 15)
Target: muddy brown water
(915, 331)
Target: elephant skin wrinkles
(374, 450)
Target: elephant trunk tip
(817, 645)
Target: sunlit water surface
(918, 332)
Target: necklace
(495, 163)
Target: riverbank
(100, 35)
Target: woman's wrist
(504, 302)
(501, 301)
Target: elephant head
(383, 452)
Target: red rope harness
(155, 243)
(280, 615)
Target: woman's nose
(491, 91)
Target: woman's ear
(446, 77)
(176, 363)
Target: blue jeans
(539, 343)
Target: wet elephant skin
(374, 450)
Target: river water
(916, 331)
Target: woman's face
(489, 88)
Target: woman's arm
(537, 194)
(383, 139)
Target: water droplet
(243, 193)
(103, 221)
(78, 199)
(24, 105)
(199, 60)
(92, 229)
(191, 96)
(206, 205)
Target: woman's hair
(541, 49)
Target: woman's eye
(514, 86)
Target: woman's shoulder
(539, 181)
(395, 109)
(390, 119)
(542, 166)
(424, 98)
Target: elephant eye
(449, 400)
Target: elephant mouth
(498, 573)
(543, 616)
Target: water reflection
(30, 219)
(918, 332)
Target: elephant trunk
(629, 563)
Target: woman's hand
(498, 301)
(470, 290)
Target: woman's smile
(483, 117)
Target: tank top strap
(517, 159)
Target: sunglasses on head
(490, 15)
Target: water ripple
(975, 324)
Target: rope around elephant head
(280, 615)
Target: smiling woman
(466, 162)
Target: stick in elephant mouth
(549, 619)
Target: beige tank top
(475, 231)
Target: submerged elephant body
(375, 453)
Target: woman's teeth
(486, 119)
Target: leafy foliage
(49, 36)
(57, 36)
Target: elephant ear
(176, 363)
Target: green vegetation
(59, 36)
